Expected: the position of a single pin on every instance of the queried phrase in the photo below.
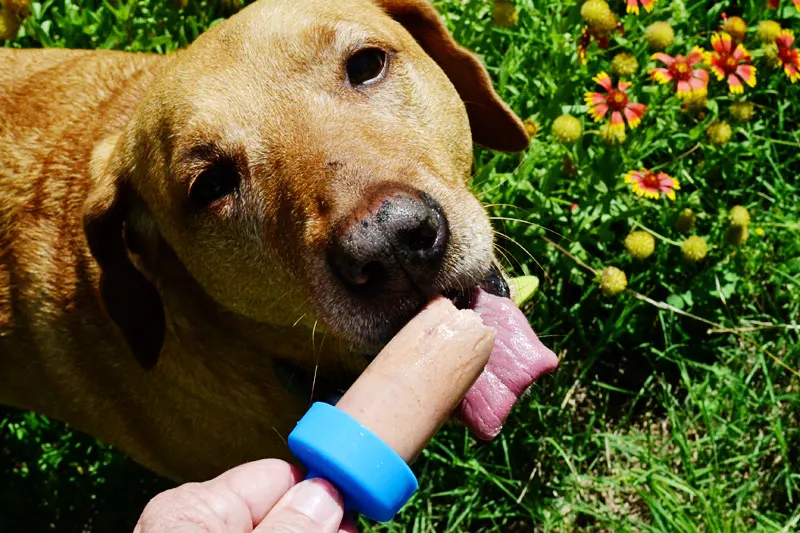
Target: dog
(195, 246)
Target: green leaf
(523, 288)
(675, 301)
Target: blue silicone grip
(372, 478)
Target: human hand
(267, 496)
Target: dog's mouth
(518, 357)
(517, 360)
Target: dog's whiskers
(279, 298)
(278, 433)
(505, 256)
(528, 222)
(544, 272)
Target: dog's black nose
(393, 246)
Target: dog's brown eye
(215, 182)
(366, 66)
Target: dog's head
(314, 153)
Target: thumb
(312, 506)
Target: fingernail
(317, 499)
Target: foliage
(675, 405)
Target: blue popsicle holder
(372, 478)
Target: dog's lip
(518, 359)
(301, 381)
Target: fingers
(259, 485)
(230, 503)
(312, 506)
(265, 493)
(348, 525)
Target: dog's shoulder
(55, 107)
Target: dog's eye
(366, 66)
(215, 182)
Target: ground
(675, 407)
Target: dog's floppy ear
(130, 300)
(492, 122)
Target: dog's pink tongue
(517, 360)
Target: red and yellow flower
(615, 102)
(633, 5)
(600, 37)
(731, 61)
(788, 56)
(652, 184)
(773, 4)
(681, 71)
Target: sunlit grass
(675, 407)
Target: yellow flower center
(680, 69)
(732, 61)
(651, 180)
(617, 100)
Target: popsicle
(394, 408)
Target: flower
(736, 235)
(771, 56)
(739, 217)
(660, 35)
(773, 4)
(719, 132)
(598, 15)
(788, 56)
(640, 244)
(505, 14)
(742, 111)
(611, 135)
(768, 31)
(531, 127)
(20, 7)
(567, 129)
(681, 71)
(686, 220)
(695, 103)
(760, 232)
(735, 26)
(731, 62)
(624, 65)
(694, 249)
(633, 6)
(600, 36)
(616, 101)
(652, 184)
(9, 25)
(612, 281)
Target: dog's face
(311, 158)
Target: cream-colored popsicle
(419, 378)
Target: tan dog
(289, 189)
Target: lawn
(676, 406)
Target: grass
(676, 404)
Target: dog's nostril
(422, 238)
(373, 273)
